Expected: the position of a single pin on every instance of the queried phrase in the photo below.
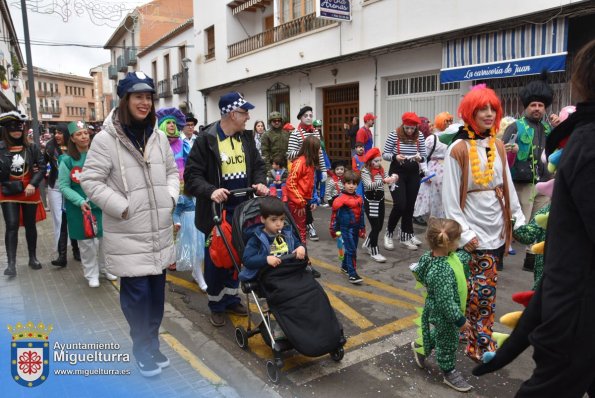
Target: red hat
(373, 153)
(288, 126)
(368, 117)
(410, 119)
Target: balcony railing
(45, 93)
(130, 56)
(164, 88)
(122, 67)
(112, 72)
(279, 33)
(49, 110)
(179, 83)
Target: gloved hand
(362, 233)
(323, 177)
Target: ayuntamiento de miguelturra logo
(30, 353)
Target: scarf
(306, 127)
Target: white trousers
(56, 200)
(92, 257)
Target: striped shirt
(296, 139)
(372, 185)
(393, 146)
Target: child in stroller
(275, 264)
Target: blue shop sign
(515, 67)
(337, 10)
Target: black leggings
(11, 213)
(374, 207)
(404, 196)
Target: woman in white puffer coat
(131, 175)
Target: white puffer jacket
(117, 177)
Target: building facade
(139, 29)
(61, 97)
(102, 92)
(392, 56)
(168, 61)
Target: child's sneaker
(355, 279)
(312, 233)
(454, 379)
(420, 359)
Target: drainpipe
(204, 99)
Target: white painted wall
(374, 24)
(171, 47)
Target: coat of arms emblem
(30, 353)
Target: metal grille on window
(278, 100)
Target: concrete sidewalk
(79, 314)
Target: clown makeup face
(485, 117)
(171, 127)
(377, 162)
(339, 171)
(307, 118)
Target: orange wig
(440, 120)
(478, 97)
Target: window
(419, 84)
(278, 100)
(423, 84)
(182, 55)
(210, 44)
(293, 9)
(166, 73)
(154, 69)
(398, 87)
(39, 86)
(45, 86)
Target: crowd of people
(472, 183)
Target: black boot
(76, 253)
(11, 253)
(529, 263)
(33, 263)
(62, 245)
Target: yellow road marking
(369, 296)
(372, 282)
(358, 319)
(357, 340)
(182, 282)
(192, 359)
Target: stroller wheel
(242, 337)
(273, 372)
(338, 354)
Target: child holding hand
(271, 241)
(442, 272)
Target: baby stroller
(299, 305)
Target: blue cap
(135, 82)
(231, 101)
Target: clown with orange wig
(478, 193)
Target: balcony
(121, 65)
(279, 33)
(179, 83)
(112, 73)
(164, 88)
(130, 56)
(50, 110)
(49, 94)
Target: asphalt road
(378, 321)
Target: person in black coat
(22, 168)
(224, 157)
(559, 321)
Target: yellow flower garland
(482, 178)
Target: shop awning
(525, 50)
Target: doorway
(341, 104)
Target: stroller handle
(234, 192)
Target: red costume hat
(410, 119)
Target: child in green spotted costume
(443, 271)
